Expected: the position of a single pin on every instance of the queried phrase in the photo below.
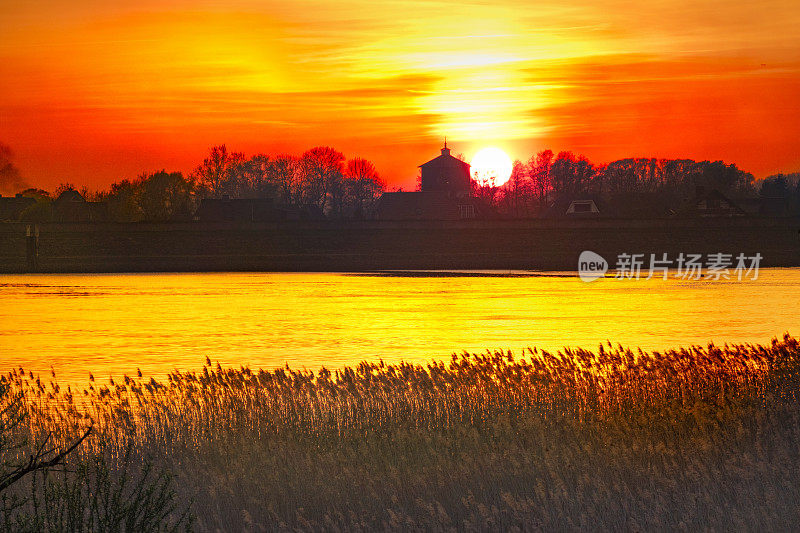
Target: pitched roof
(562, 204)
(70, 195)
(445, 159)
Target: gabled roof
(562, 204)
(70, 195)
(714, 202)
(445, 159)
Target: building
(240, 210)
(71, 206)
(576, 206)
(436, 205)
(446, 173)
(11, 207)
(714, 204)
(445, 194)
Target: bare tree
(321, 170)
(283, 172)
(539, 168)
(221, 173)
(363, 185)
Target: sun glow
(491, 166)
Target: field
(610, 439)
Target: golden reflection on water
(114, 324)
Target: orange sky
(97, 91)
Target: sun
(491, 166)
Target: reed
(611, 438)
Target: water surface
(114, 324)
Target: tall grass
(702, 437)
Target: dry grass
(686, 439)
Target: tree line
(321, 181)
(664, 183)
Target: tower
(446, 173)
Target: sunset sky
(96, 91)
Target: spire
(445, 150)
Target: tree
(165, 196)
(322, 172)
(363, 185)
(283, 172)
(515, 193)
(571, 174)
(540, 167)
(36, 194)
(123, 202)
(728, 179)
(221, 173)
(257, 178)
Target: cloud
(10, 180)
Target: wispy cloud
(604, 76)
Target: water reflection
(114, 324)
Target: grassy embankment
(612, 439)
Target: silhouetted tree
(363, 186)
(165, 196)
(516, 192)
(221, 173)
(257, 179)
(157, 196)
(283, 171)
(784, 187)
(539, 168)
(322, 172)
(123, 203)
(36, 194)
(571, 174)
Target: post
(32, 248)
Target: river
(112, 325)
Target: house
(71, 206)
(713, 203)
(445, 194)
(446, 173)
(11, 207)
(576, 206)
(240, 210)
(436, 205)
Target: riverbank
(537, 244)
(685, 439)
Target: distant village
(231, 188)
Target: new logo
(591, 266)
